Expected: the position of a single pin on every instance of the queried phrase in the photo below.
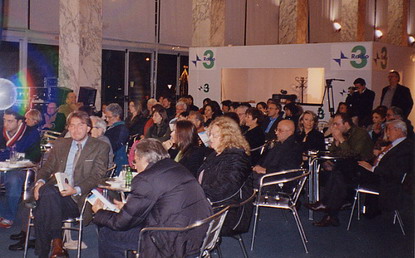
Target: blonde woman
(225, 175)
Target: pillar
(293, 22)
(397, 22)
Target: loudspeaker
(58, 95)
(87, 96)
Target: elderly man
(22, 139)
(157, 190)
(84, 160)
(361, 103)
(118, 134)
(240, 111)
(351, 143)
(397, 95)
(180, 108)
(396, 113)
(286, 154)
(274, 117)
(389, 168)
(99, 126)
(52, 119)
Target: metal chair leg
(255, 225)
(29, 224)
(398, 216)
(242, 244)
(300, 229)
(80, 238)
(358, 206)
(351, 213)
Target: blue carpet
(277, 236)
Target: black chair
(214, 222)
(291, 182)
(369, 190)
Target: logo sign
(204, 59)
(380, 59)
(352, 57)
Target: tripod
(328, 91)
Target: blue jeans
(13, 181)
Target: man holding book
(84, 160)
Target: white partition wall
(254, 73)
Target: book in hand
(61, 179)
(107, 204)
(204, 137)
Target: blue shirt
(271, 122)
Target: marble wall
(208, 23)
(293, 22)
(349, 20)
(80, 44)
(397, 22)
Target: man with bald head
(70, 104)
(285, 154)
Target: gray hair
(181, 103)
(398, 124)
(99, 123)
(115, 109)
(151, 150)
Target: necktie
(75, 160)
(380, 156)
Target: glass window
(9, 60)
(166, 75)
(113, 63)
(42, 62)
(139, 77)
(183, 79)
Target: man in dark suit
(286, 154)
(85, 160)
(163, 194)
(361, 103)
(271, 122)
(390, 167)
(397, 95)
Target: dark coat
(136, 125)
(255, 138)
(402, 98)
(193, 158)
(227, 180)
(160, 132)
(391, 168)
(314, 141)
(271, 133)
(118, 135)
(164, 195)
(362, 105)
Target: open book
(107, 204)
(61, 179)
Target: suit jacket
(89, 170)
(163, 195)
(402, 98)
(362, 105)
(271, 134)
(391, 168)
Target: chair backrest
(283, 177)
(28, 184)
(215, 223)
(111, 171)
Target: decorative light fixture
(337, 26)
(411, 39)
(378, 33)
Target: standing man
(16, 135)
(397, 95)
(361, 103)
(271, 122)
(85, 160)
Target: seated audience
(211, 111)
(240, 111)
(99, 126)
(271, 122)
(157, 190)
(160, 130)
(169, 106)
(254, 135)
(184, 146)
(84, 160)
(342, 108)
(376, 129)
(387, 171)
(226, 106)
(309, 137)
(52, 119)
(118, 134)
(16, 136)
(292, 113)
(262, 106)
(394, 113)
(33, 118)
(135, 120)
(70, 104)
(190, 104)
(180, 108)
(148, 114)
(225, 176)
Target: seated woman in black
(254, 135)
(309, 137)
(211, 111)
(225, 176)
(160, 130)
(135, 120)
(184, 148)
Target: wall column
(208, 23)
(293, 22)
(80, 45)
(397, 22)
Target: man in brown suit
(84, 159)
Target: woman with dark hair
(184, 148)
(309, 137)
(212, 111)
(291, 112)
(254, 135)
(160, 130)
(135, 120)
(262, 106)
(226, 175)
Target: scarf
(12, 139)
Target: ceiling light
(378, 33)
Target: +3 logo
(208, 59)
(358, 58)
